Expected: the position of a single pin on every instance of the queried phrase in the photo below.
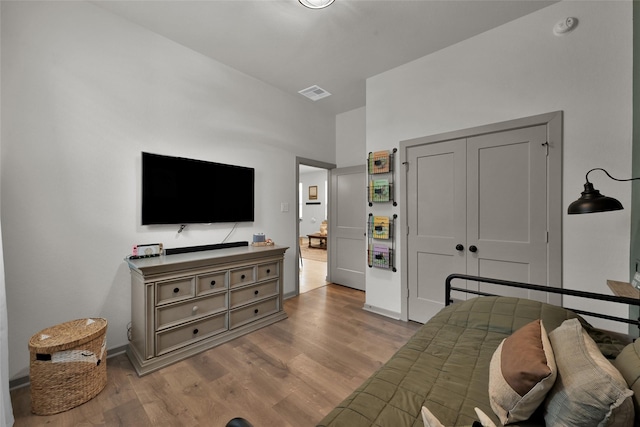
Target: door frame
(315, 164)
(553, 121)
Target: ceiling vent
(314, 93)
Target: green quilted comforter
(445, 366)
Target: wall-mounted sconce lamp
(592, 201)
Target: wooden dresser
(186, 303)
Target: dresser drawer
(175, 290)
(242, 276)
(250, 313)
(249, 294)
(268, 271)
(210, 283)
(171, 315)
(173, 339)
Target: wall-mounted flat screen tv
(176, 190)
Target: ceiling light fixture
(316, 4)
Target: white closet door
(507, 208)
(436, 217)
(476, 206)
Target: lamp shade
(316, 4)
(592, 201)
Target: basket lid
(67, 335)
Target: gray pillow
(588, 391)
(628, 363)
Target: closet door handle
(459, 247)
(472, 248)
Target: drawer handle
(194, 310)
(195, 331)
(268, 270)
(213, 283)
(256, 292)
(242, 277)
(176, 290)
(256, 311)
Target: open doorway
(313, 233)
(312, 229)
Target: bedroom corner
(6, 410)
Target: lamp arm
(607, 173)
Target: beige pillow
(521, 373)
(430, 420)
(589, 390)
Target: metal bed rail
(582, 294)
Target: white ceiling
(291, 47)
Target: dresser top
(166, 263)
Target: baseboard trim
(19, 383)
(24, 381)
(382, 311)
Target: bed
(457, 362)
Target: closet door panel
(436, 221)
(507, 205)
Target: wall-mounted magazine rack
(380, 167)
(381, 250)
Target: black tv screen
(176, 190)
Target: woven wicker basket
(68, 365)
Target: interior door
(478, 206)
(347, 258)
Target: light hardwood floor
(289, 374)
(313, 274)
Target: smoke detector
(314, 92)
(565, 26)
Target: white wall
(517, 70)
(313, 215)
(84, 92)
(351, 138)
